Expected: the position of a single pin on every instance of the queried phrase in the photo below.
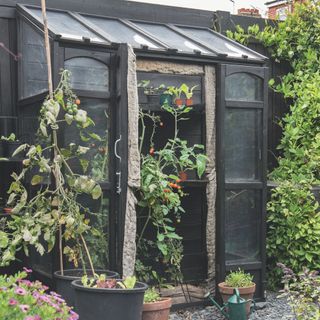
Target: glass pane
(121, 33)
(171, 38)
(98, 155)
(88, 74)
(65, 25)
(242, 144)
(217, 43)
(33, 63)
(99, 242)
(244, 87)
(243, 225)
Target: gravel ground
(273, 309)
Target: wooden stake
(50, 87)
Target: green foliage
(160, 192)
(151, 295)
(303, 292)
(101, 281)
(294, 221)
(239, 279)
(21, 299)
(37, 220)
(11, 137)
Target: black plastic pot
(109, 304)
(10, 147)
(63, 282)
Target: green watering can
(235, 308)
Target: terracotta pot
(158, 310)
(189, 102)
(178, 102)
(245, 293)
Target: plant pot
(189, 102)
(178, 102)
(165, 98)
(245, 293)
(158, 310)
(109, 304)
(183, 175)
(63, 282)
(10, 147)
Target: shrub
(294, 218)
(303, 292)
(21, 299)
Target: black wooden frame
(223, 186)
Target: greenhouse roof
(150, 36)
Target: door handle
(118, 173)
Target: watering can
(235, 308)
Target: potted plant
(55, 214)
(155, 307)
(22, 299)
(10, 144)
(112, 299)
(243, 282)
(188, 93)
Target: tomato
(161, 124)
(151, 151)
(178, 180)
(77, 101)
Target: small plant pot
(178, 102)
(183, 175)
(9, 149)
(109, 304)
(166, 98)
(245, 293)
(189, 102)
(63, 282)
(158, 310)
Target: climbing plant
(293, 214)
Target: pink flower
(27, 270)
(36, 317)
(12, 302)
(24, 307)
(20, 291)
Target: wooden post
(50, 86)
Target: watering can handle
(236, 292)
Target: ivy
(293, 212)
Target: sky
(225, 5)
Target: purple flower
(24, 307)
(12, 302)
(27, 270)
(20, 291)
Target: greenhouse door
(242, 152)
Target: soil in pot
(109, 304)
(158, 310)
(63, 282)
(245, 293)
